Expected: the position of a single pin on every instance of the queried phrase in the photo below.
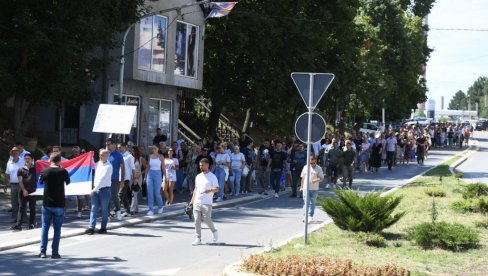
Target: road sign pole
(309, 148)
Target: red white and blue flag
(80, 173)
(220, 9)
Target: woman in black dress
(376, 151)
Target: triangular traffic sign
(321, 82)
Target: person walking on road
(206, 184)
(276, 164)
(349, 157)
(11, 177)
(53, 177)
(117, 161)
(101, 193)
(391, 143)
(154, 180)
(316, 176)
(27, 184)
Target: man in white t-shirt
(316, 176)
(206, 184)
(391, 144)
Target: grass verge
(334, 243)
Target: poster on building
(113, 118)
(186, 45)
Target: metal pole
(309, 146)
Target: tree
(458, 101)
(52, 51)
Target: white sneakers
(310, 219)
(150, 213)
(197, 241)
(219, 199)
(119, 215)
(277, 195)
(161, 210)
(80, 214)
(215, 236)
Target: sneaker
(215, 236)
(119, 215)
(303, 219)
(89, 231)
(197, 241)
(16, 228)
(32, 226)
(219, 199)
(237, 194)
(80, 214)
(277, 195)
(42, 255)
(55, 256)
(265, 193)
(102, 231)
(327, 186)
(310, 218)
(150, 213)
(112, 214)
(161, 210)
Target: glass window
(186, 54)
(160, 115)
(152, 43)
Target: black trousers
(23, 200)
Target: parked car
(482, 125)
(369, 128)
(420, 121)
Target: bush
(471, 205)
(454, 237)
(435, 192)
(475, 190)
(482, 223)
(296, 265)
(371, 213)
(371, 239)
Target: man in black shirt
(27, 184)
(276, 163)
(160, 137)
(53, 178)
(204, 155)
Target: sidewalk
(73, 226)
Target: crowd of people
(124, 172)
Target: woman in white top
(171, 165)
(140, 165)
(365, 154)
(237, 164)
(222, 161)
(154, 180)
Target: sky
(459, 57)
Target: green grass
(332, 242)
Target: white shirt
(103, 175)
(21, 157)
(12, 169)
(129, 165)
(316, 173)
(222, 158)
(170, 167)
(237, 159)
(203, 182)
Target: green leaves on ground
(368, 213)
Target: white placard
(113, 118)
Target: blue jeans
(180, 176)
(220, 174)
(100, 200)
(297, 172)
(312, 196)
(54, 215)
(154, 180)
(235, 181)
(274, 178)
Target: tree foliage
(458, 101)
(52, 51)
(376, 49)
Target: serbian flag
(80, 174)
(220, 9)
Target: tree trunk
(213, 120)
(246, 121)
(20, 111)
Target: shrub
(296, 265)
(458, 176)
(482, 206)
(482, 223)
(454, 237)
(370, 213)
(371, 239)
(475, 190)
(471, 205)
(435, 192)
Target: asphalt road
(164, 247)
(475, 168)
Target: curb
(234, 269)
(128, 222)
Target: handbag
(189, 210)
(135, 187)
(245, 171)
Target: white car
(369, 128)
(420, 121)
